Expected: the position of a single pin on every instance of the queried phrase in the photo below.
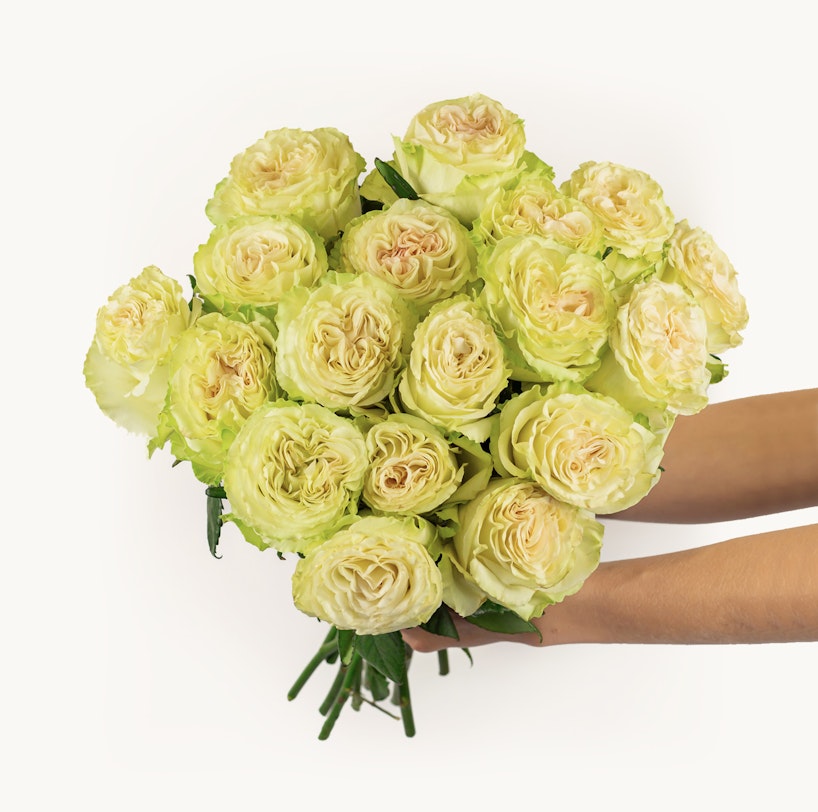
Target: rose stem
(326, 649)
(352, 669)
(357, 697)
(443, 662)
(406, 707)
(332, 694)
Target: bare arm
(742, 458)
(757, 589)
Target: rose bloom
(221, 371)
(533, 205)
(309, 174)
(519, 547)
(420, 249)
(554, 306)
(294, 474)
(457, 369)
(126, 364)
(658, 360)
(256, 260)
(374, 577)
(456, 152)
(582, 448)
(635, 219)
(412, 467)
(703, 269)
(342, 344)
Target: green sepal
(717, 368)
(441, 623)
(643, 420)
(386, 653)
(496, 618)
(214, 518)
(397, 183)
(346, 645)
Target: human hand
(469, 636)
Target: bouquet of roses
(427, 382)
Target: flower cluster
(426, 382)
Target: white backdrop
(139, 672)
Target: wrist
(579, 618)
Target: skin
(739, 459)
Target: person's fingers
(422, 641)
(469, 636)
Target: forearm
(737, 459)
(757, 589)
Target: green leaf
(441, 623)
(346, 645)
(214, 521)
(376, 683)
(386, 653)
(468, 654)
(397, 183)
(496, 618)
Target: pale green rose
(520, 548)
(221, 371)
(420, 249)
(553, 306)
(311, 175)
(533, 205)
(374, 577)
(583, 448)
(457, 369)
(126, 364)
(658, 361)
(456, 153)
(703, 269)
(294, 474)
(635, 219)
(412, 467)
(343, 343)
(256, 260)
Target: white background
(139, 672)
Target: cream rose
(221, 371)
(457, 369)
(311, 175)
(126, 364)
(658, 360)
(419, 249)
(582, 448)
(342, 344)
(554, 306)
(412, 467)
(374, 577)
(294, 474)
(256, 260)
(519, 547)
(635, 219)
(456, 152)
(533, 205)
(703, 269)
